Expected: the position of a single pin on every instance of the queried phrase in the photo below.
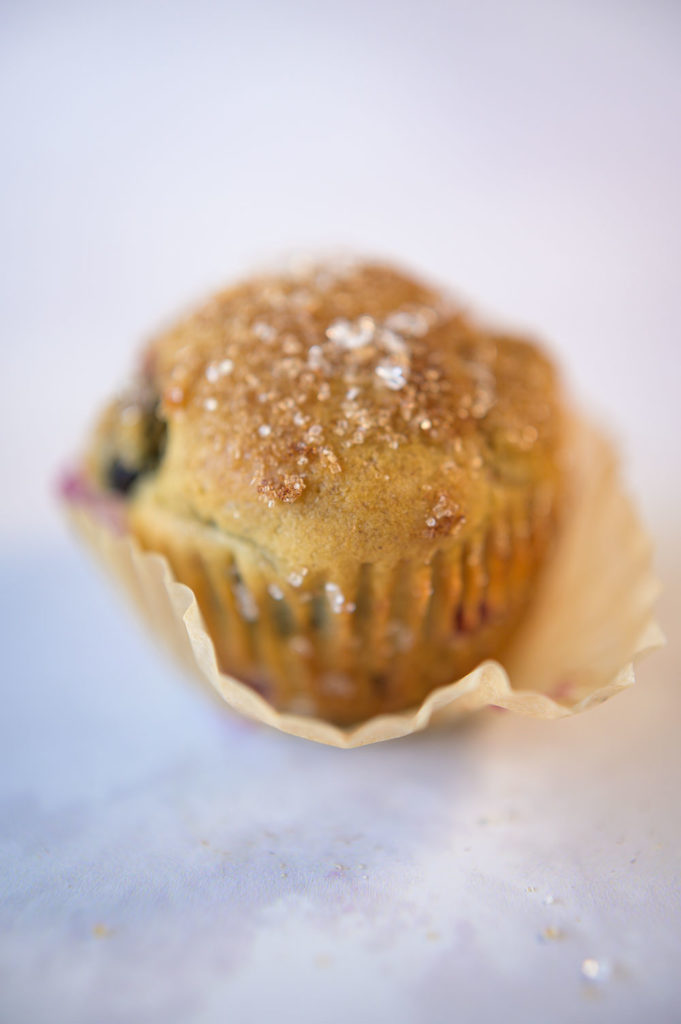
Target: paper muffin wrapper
(377, 642)
(591, 618)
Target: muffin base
(391, 637)
(591, 619)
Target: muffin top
(335, 413)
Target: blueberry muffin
(358, 481)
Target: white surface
(159, 859)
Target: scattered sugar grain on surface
(595, 970)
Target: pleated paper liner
(591, 618)
(377, 642)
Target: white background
(160, 860)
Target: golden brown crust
(302, 392)
(343, 421)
